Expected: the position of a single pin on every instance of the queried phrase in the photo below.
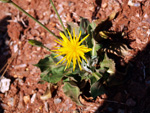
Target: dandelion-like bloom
(72, 50)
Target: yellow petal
(83, 39)
(72, 50)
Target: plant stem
(96, 76)
(33, 18)
(59, 18)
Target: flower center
(74, 48)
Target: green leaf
(92, 80)
(84, 23)
(72, 91)
(58, 70)
(95, 48)
(92, 43)
(85, 76)
(53, 75)
(108, 63)
(55, 59)
(92, 25)
(94, 77)
(72, 26)
(55, 78)
(35, 43)
(90, 30)
(44, 64)
(51, 72)
(47, 62)
(74, 77)
(97, 89)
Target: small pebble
(4, 84)
(148, 32)
(46, 106)
(130, 3)
(20, 66)
(19, 52)
(52, 15)
(26, 99)
(145, 16)
(91, 8)
(57, 101)
(104, 5)
(38, 48)
(11, 101)
(60, 8)
(15, 48)
(11, 43)
(136, 4)
(33, 97)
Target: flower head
(72, 50)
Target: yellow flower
(72, 50)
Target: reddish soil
(16, 28)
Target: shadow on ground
(4, 48)
(132, 95)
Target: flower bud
(5, 1)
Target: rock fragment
(4, 84)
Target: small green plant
(82, 57)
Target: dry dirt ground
(16, 28)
